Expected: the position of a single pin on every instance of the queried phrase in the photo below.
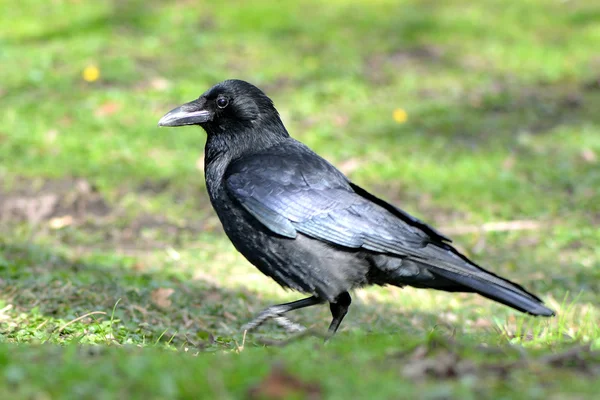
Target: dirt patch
(34, 202)
(281, 384)
(592, 84)
(440, 361)
(379, 68)
(280, 84)
(52, 205)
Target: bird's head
(230, 107)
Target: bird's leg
(339, 309)
(276, 312)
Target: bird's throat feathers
(229, 142)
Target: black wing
(403, 215)
(290, 189)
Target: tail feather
(447, 263)
(508, 294)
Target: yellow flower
(400, 115)
(91, 73)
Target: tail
(509, 293)
(452, 266)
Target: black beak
(192, 113)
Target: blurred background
(480, 117)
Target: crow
(303, 223)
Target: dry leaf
(482, 323)
(139, 266)
(350, 165)
(160, 297)
(280, 384)
(509, 162)
(589, 155)
(60, 222)
(108, 108)
(229, 316)
(443, 365)
(160, 83)
(340, 120)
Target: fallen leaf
(229, 316)
(60, 222)
(280, 384)
(139, 266)
(482, 323)
(160, 83)
(340, 120)
(589, 155)
(160, 297)
(349, 165)
(106, 109)
(443, 365)
(509, 162)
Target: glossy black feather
(316, 199)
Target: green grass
(116, 279)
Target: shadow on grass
(495, 117)
(47, 295)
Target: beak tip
(188, 114)
(165, 121)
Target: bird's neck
(217, 158)
(222, 148)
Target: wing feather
(288, 197)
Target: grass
(117, 281)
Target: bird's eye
(222, 102)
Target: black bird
(300, 221)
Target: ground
(116, 279)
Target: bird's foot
(288, 325)
(276, 315)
